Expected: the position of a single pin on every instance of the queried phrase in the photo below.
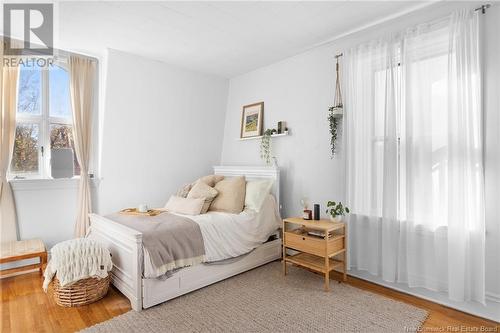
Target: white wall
(46, 209)
(163, 126)
(160, 127)
(46, 213)
(491, 43)
(299, 91)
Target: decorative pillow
(184, 190)
(231, 198)
(201, 190)
(187, 206)
(256, 192)
(210, 180)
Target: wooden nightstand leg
(284, 264)
(327, 274)
(284, 261)
(345, 266)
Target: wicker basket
(80, 293)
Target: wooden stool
(19, 250)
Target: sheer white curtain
(371, 129)
(415, 173)
(424, 156)
(466, 221)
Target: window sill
(49, 184)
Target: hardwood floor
(26, 308)
(442, 317)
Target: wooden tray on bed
(133, 211)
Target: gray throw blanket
(171, 241)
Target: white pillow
(187, 206)
(256, 192)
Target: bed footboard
(125, 245)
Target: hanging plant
(265, 146)
(335, 112)
(333, 120)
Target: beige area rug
(263, 300)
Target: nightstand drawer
(304, 243)
(336, 244)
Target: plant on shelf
(336, 210)
(265, 145)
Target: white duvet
(231, 235)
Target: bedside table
(316, 252)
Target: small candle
(143, 208)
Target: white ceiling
(222, 38)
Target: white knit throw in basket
(77, 259)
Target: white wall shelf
(260, 136)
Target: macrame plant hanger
(338, 91)
(336, 112)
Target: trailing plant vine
(333, 120)
(335, 112)
(265, 146)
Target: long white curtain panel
(414, 157)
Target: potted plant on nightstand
(336, 211)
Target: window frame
(400, 135)
(44, 121)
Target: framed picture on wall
(251, 120)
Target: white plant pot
(337, 112)
(336, 218)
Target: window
(418, 87)
(43, 120)
(425, 142)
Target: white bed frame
(125, 245)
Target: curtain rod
(483, 8)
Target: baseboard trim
(493, 297)
(489, 312)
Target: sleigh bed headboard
(254, 172)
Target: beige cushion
(205, 192)
(187, 206)
(184, 190)
(256, 192)
(231, 198)
(210, 180)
